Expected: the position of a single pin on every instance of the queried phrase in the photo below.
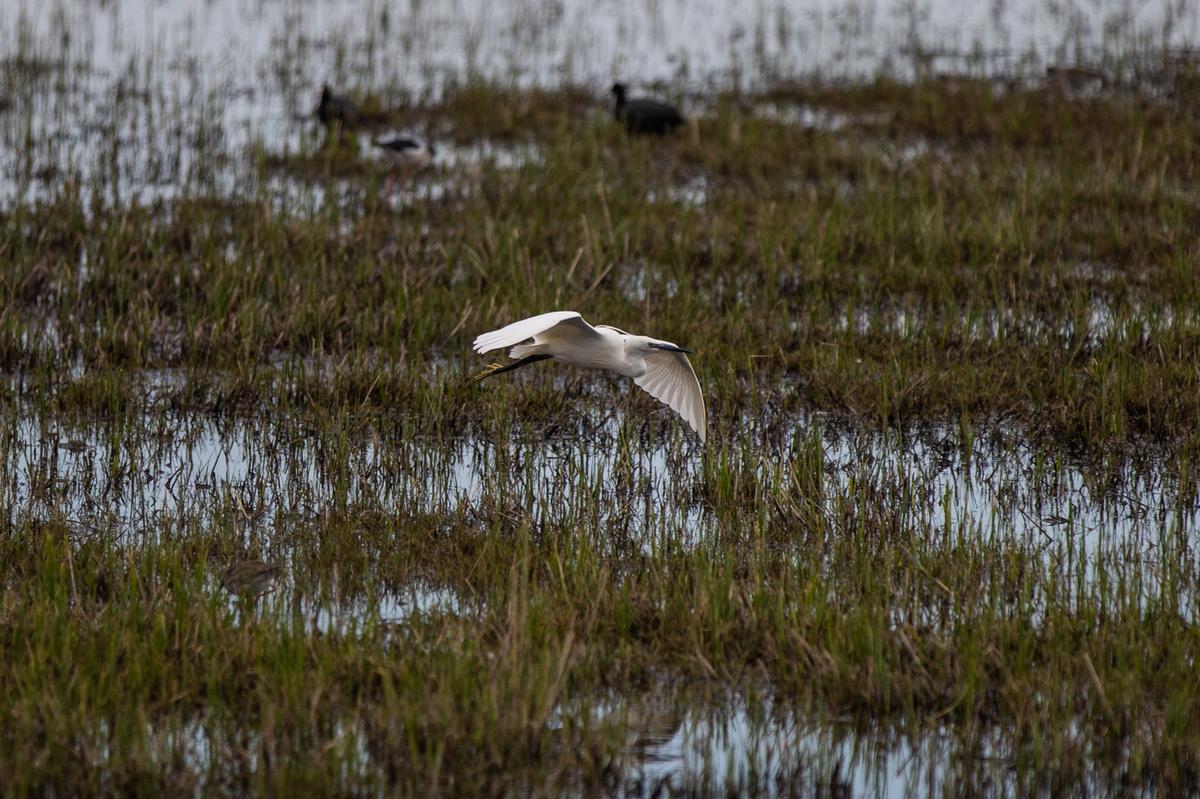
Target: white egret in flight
(659, 367)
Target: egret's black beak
(670, 348)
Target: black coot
(645, 116)
(334, 108)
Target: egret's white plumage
(659, 367)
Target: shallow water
(146, 101)
(418, 46)
(149, 100)
(759, 750)
(736, 750)
(1091, 325)
(147, 476)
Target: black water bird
(641, 115)
(334, 108)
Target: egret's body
(659, 367)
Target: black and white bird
(335, 108)
(405, 151)
(641, 115)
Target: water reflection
(763, 748)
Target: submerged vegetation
(944, 526)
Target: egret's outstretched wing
(525, 329)
(670, 379)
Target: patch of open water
(760, 751)
(165, 471)
(151, 100)
(734, 749)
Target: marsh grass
(1011, 269)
